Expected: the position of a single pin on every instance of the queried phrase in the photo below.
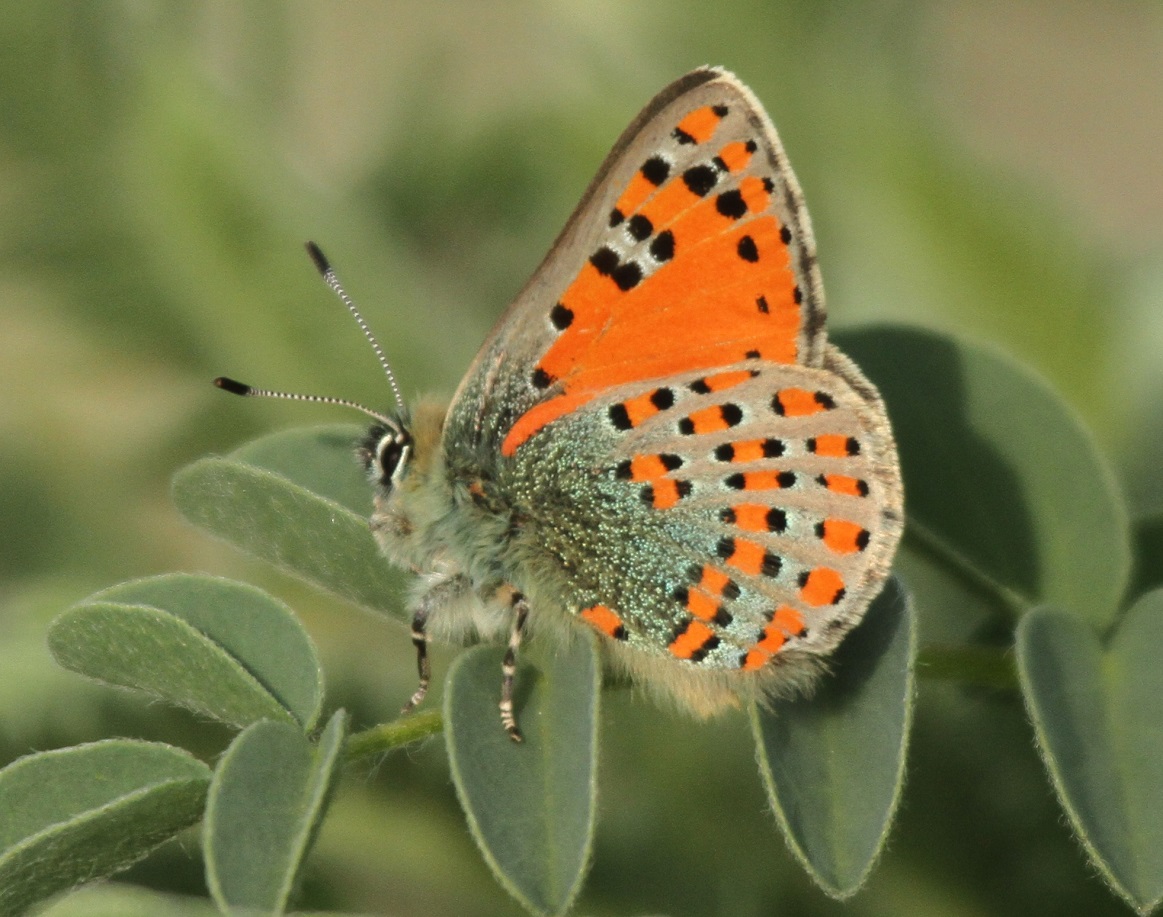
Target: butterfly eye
(392, 457)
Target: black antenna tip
(235, 388)
(320, 259)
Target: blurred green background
(990, 168)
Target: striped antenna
(328, 272)
(329, 277)
(248, 391)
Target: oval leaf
(1098, 716)
(833, 764)
(222, 648)
(273, 512)
(267, 800)
(530, 806)
(999, 471)
(81, 813)
(149, 650)
(260, 633)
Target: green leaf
(267, 800)
(833, 763)
(530, 806)
(298, 510)
(1098, 716)
(258, 630)
(219, 647)
(80, 813)
(1000, 475)
(319, 459)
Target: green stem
(386, 736)
(980, 666)
(925, 542)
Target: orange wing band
(711, 285)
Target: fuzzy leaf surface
(219, 647)
(267, 800)
(85, 812)
(833, 763)
(1098, 717)
(530, 806)
(293, 499)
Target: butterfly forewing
(693, 238)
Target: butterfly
(656, 442)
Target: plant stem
(386, 736)
(925, 542)
(979, 666)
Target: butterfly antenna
(249, 391)
(329, 277)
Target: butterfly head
(386, 452)
(387, 449)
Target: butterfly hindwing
(694, 226)
(746, 510)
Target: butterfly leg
(509, 665)
(423, 666)
(441, 593)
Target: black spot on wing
(605, 259)
(731, 204)
(662, 398)
(627, 276)
(662, 248)
(561, 316)
(640, 227)
(700, 179)
(656, 170)
(620, 417)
